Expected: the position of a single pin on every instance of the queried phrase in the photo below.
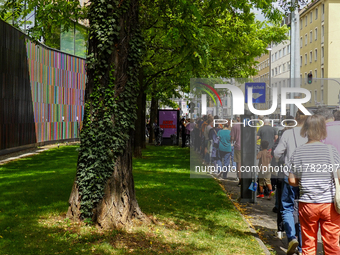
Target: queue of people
(218, 145)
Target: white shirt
(287, 142)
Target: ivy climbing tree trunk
(104, 187)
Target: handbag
(337, 185)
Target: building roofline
(308, 6)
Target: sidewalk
(261, 218)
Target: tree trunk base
(118, 207)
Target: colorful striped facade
(48, 85)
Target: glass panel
(67, 41)
(81, 41)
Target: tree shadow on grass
(187, 201)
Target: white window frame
(315, 54)
(316, 13)
(316, 33)
(315, 74)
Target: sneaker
(271, 193)
(292, 247)
(260, 196)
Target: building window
(316, 34)
(316, 13)
(322, 31)
(323, 8)
(280, 52)
(272, 72)
(275, 70)
(305, 39)
(279, 69)
(306, 21)
(310, 57)
(316, 54)
(288, 49)
(311, 95)
(311, 36)
(301, 42)
(300, 61)
(315, 73)
(322, 52)
(283, 67)
(322, 96)
(272, 57)
(306, 59)
(288, 64)
(275, 55)
(284, 51)
(311, 17)
(322, 73)
(300, 24)
(316, 95)
(305, 78)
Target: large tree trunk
(104, 188)
(153, 116)
(119, 205)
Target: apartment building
(320, 51)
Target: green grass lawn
(190, 216)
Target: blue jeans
(232, 157)
(290, 211)
(226, 156)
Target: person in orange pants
(317, 188)
(310, 217)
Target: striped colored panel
(58, 88)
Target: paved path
(260, 217)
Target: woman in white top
(311, 169)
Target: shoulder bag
(336, 180)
